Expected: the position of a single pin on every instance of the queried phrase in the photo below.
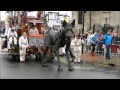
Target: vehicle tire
(15, 57)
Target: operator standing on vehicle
(23, 45)
(34, 30)
(12, 36)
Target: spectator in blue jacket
(93, 41)
(100, 43)
(107, 43)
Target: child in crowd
(78, 48)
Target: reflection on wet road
(10, 69)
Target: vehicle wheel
(13, 57)
(44, 65)
(70, 69)
(38, 57)
(17, 57)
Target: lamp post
(83, 22)
(0, 24)
(90, 20)
(0, 19)
(83, 18)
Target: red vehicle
(25, 27)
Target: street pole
(83, 18)
(0, 19)
(80, 20)
(90, 20)
(0, 24)
(83, 22)
(0, 33)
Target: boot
(73, 59)
(93, 54)
(60, 68)
(70, 66)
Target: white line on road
(84, 68)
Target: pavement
(100, 60)
(13, 69)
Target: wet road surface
(10, 69)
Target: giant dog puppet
(55, 40)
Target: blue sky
(3, 15)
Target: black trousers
(93, 47)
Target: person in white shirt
(12, 37)
(23, 45)
(34, 30)
(78, 48)
(88, 44)
(73, 43)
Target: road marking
(84, 68)
(3, 53)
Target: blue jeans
(107, 55)
(100, 49)
(88, 47)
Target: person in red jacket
(114, 44)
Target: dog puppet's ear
(64, 23)
(73, 23)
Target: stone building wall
(98, 18)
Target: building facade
(97, 18)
